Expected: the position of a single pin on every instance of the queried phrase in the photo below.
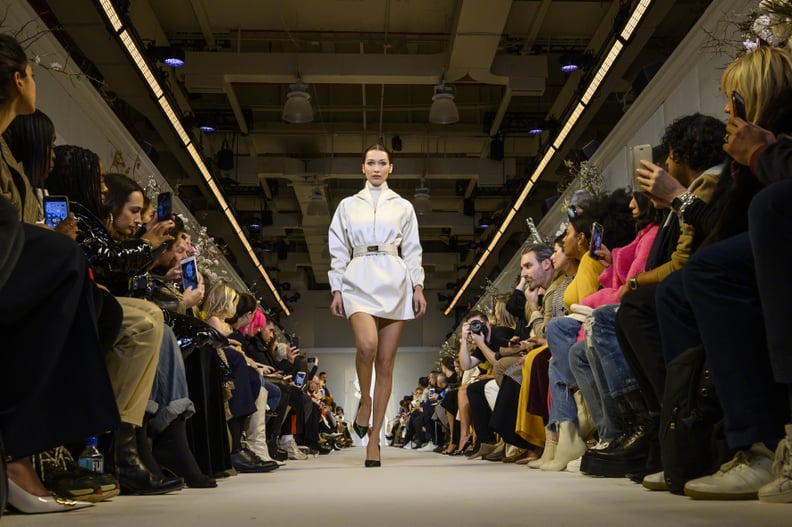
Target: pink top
(627, 261)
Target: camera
(478, 327)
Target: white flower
(56, 66)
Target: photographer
(477, 331)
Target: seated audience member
(721, 273)
(484, 338)
(220, 304)
(594, 373)
(694, 153)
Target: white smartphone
(299, 379)
(189, 270)
(639, 153)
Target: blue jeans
(273, 394)
(169, 398)
(602, 372)
(561, 334)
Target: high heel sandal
(360, 430)
(25, 502)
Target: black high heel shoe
(360, 430)
(370, 463)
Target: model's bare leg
(389, 334)
(364, 327)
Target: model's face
(128, 220)
(377, 167)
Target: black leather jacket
(116, 265)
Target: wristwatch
(633, 284)
(681, 202)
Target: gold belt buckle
(372, 248)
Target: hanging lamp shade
(444, 109)
(298, 109)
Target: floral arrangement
(769, 24)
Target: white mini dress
(375, 254)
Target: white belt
(365, 250)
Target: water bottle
(91, 458)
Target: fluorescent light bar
(140, 62)
(494, 241)
(613, 54)
(635, 19)
(151, 80)
(111, 14)
(602, 72)
(174, 119)
(562, 135)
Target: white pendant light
(444, 109)
(298, 109)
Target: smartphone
(431, 391)
(56, 209)
(164, 206)
(189, 269)
(738, 105)
(295, 340)
(639, 153)
(311, 361)
(299, 379)
(597, 230)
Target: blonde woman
(220, 304)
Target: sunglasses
(571, 212)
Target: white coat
(379, 284)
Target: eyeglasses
(572, 212)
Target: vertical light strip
(144, 69)
(602, 72)
(635, 19)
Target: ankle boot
(585, 422)
(640, 430)
(570, 446)
(551, 443)
(172, 451)
(275, 452)
(133, 474)
(144, 448)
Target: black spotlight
(396, 143)
(469, 207)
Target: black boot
(133, 474)
(172, 452)
(275, 452)
(641, 428)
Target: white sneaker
(291, 448)
(429, 447)
(655, 481)
(739, 479)
(780, 489)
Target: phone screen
(164, 206)
(300, 378)
(311, 360)
(295, 340)
(56, 209)
(597, 231)
(189, 273)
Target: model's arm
(412, 254)
(340, 255)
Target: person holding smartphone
(373, 239)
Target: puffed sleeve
(412, 254)
(339, 248)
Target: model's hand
(337, 305)
(658, 183)
(743, 139)
(419, 302)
